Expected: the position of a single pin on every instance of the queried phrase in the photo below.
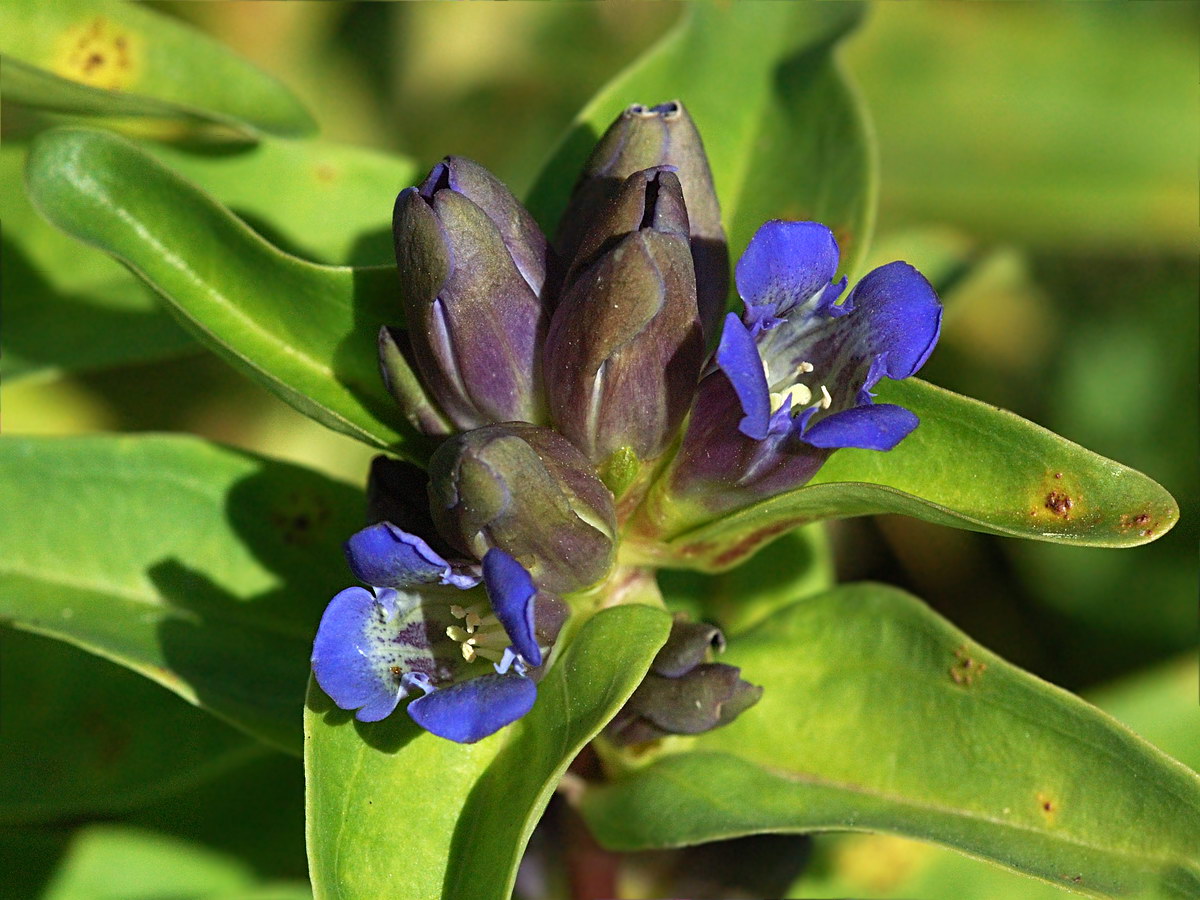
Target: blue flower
(425, 626)
(794, 373)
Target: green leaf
(1159, 704)
(67, 307)
(116, 862)
(325, 202)
(99, 57)
(968, 465)
(308, 332)
(71, 308)
(796, 565)
(784, 132)
(391, 805)
(84, 737)
(201, 567)
(879, 715)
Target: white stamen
(826, 400)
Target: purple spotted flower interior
(427, 626)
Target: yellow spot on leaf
(99, 53)
(879, 862)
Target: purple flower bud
(625, 345)
(683, 693)
(642, 138)
(472, 265)
(529, 492)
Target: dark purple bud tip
(646, 137)
(529, 492)
(472, 265)
(625, 346)
(683, 693)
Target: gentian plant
(561, 370)
(579, 594)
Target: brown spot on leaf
(1047, 805)
(110, 738)
(300, 519)
(1141, 520)
(1058, 475)
(966, 670)
(98, 53)
(325, 172)
(1059, 503)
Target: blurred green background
(1039, 161)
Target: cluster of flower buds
(571, 386)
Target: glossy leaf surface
(783, 130)
(968, 465)
(1159, 704)
(977, 755)
(461, 813)
(69, 308)
(201, 567)
(100, 57)
(117, 862)
(308, 332)
(326, 202)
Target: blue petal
(384, 556)
(737, 355)
(899, 317)
(350, 657)
(512, 592)
(785, 264)
(471, 710)
(875, 427)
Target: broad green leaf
(968, 465)
(1159, 705)
(878, 715)
(254, 812)
(68, 307)
(784, 132)
(116, 862)
(391, 805)
(308, 332)
(84, 737)
(325, 202)
(73, 308)
(204, 568)
(796, 565)
(100, 57)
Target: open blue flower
(425, 626)
(804, 365)
(794, 373)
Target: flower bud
(400, 378)
(528, 491)
(625, 347)
(642, 138)
(472, 264)
(683, 693)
